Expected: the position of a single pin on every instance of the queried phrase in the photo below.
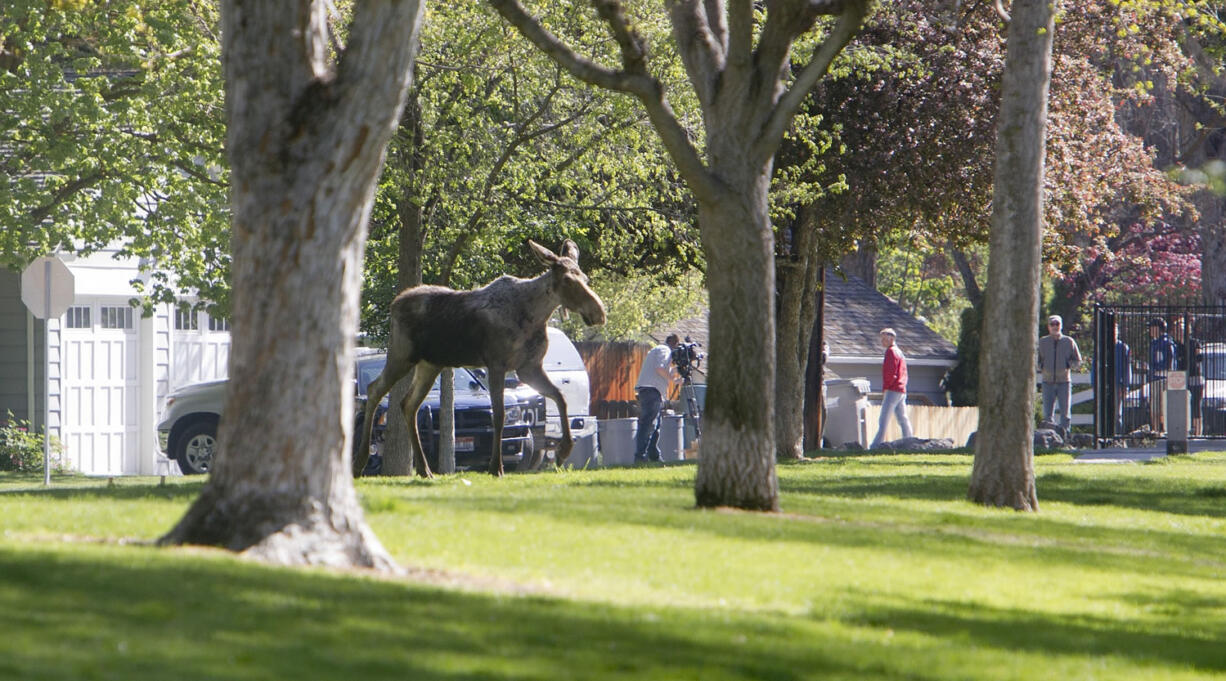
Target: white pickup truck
(565, 368)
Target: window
(116, 317)
(186, 319)
(77, 318)
(216, 324)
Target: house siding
(15, 348)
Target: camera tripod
(693, 412)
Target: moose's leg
(497, 383)
(423, 379)
(393, 371)
(536, 377)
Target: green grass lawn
(876, 569)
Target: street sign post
(47, 288)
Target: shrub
(21, 449)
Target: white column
(147, 399)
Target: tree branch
(634, 80)
(852, 16)
(740, 34)
(701, 46)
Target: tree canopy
(111, 128)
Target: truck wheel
(194, 448)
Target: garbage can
(584, 453)
(672, 437)
(846, 407)
(617, 441)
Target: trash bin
(672, 437)
(617, 441)
(846, 407)
(584, 453)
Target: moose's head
(570, 282)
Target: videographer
(655, 378)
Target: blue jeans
(892, 403)
(1059, 396)
(646, 440)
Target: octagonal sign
(47, 287)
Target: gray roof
(856, 313)
(854, 317)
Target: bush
(21, 449)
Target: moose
(500, 326)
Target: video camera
(686, 357)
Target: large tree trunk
(815, 368)
(306, 146)
(797, 310)
(1213, 250)
(1003, 472)
(396, 451)
(737, 463)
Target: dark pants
(647, 439)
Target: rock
(916, 444)
(1045, 438)
(1081, 440)
(1050, 425)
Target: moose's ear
(570, 250)
(543, 254)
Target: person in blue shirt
(1161, 348)
(1161, 360)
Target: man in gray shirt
(655, 377)
(1058, 356)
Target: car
(187, 431)
(1213, 403)
(565, 368)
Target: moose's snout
(595, 318)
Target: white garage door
(100, 377)
(201, 350)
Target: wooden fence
(955, 423)
(612, 371)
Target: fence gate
(1134, 348)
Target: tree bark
(815, 369)
(736, 466)
(1213, 250)
(797, 310)
(396, 452)
(306, 145)
(1003, 471)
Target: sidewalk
(1142, 454)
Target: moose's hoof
(563, 453)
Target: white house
(110, 368)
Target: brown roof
(856, 313)
(854, 317)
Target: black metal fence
(1136, 347)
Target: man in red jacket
(893, 386)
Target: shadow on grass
(138, 615)
(1162, 494)
(122, 492)
(77, 618)
(1187, 636)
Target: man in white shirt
(655, 378)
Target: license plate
(465, 444)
